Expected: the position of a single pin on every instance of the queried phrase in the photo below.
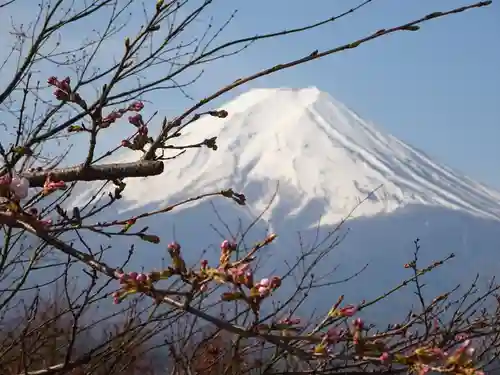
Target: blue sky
(437, 89)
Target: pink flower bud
(384, 358)
(174, 246)
(132, 275)
(332, 335)
(61, 95)
(136, 120)
(141, 278)
(358, 323)
(53, 81)
(348, 310)
(143, 130)
(136, 106)
(228, 246)
(275, 282)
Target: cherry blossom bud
(136, 106)
(136, 120)
(174, 246)
(384, 358)
(348, 311)
(358, 323)
(53, 81)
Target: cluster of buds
(64, 92)
(134, 282)
(50, 185)
(141, 138)
(14, 187)
(265, 286)
(426, 360)
(118, 114)
(330, 338)
(237, 273)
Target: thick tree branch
(98, 172)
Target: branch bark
(98, 172)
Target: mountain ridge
(314, 147)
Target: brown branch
(98, 172)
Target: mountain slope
(325, 159)
(314, 147)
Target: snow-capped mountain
(325, 159)
(314, 147)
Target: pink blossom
(264, 282)
(19, 187)
(141, 278)
(133, 275)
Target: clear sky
(437, 89)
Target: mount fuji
(314, 147)
(318, 159)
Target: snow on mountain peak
(316, 148)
